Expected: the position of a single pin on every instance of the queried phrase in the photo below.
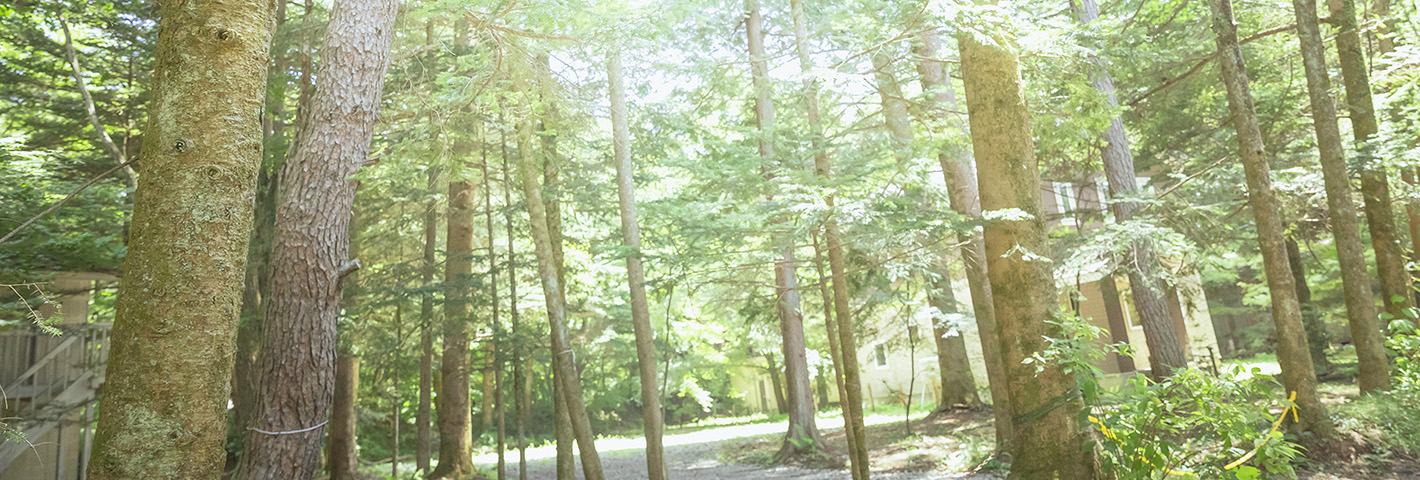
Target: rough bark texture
(802, 436)
(169, 373)
(959, 170)
(1311, 318)
(1298, 374)
(424, 416)
(652, 423)
(1166, 349)
(455, 418)
(1048, 441)
(341, 460)
(1375, 188)
(1350, 252)
(309, 255)
(551, 278)
(953, 366)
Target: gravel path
(695, 456)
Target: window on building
(1065, 201)
(880, 354)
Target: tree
(959, 171)
(1292, 354)
(343, 462)
(803, 436)
(1360, 307)
(455, 418)
(172, 351)
(1048, 440)
(636, 275)
(1166, 350)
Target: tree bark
(566, 373)
(1167, 351)
(170, 367)
(776, 381)
(954, 368)
(802, 436)
(1292, 354)
(309, 253)
(342, 462)
(1048, 441)
(495, 362)
(552, 183)
(1350, 253)
(523, 396)
(423, 417)
(652, 423)
(959, 172)
(1375, 188)
(834, 351)
(1118, 325)
(455, 418)
(1311, 318)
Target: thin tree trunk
(309, 253)
(1118, 325)
(1375, 188)
(566, 372)
(959, 171)
(77, 71)
(523, 395)
(1311, 318)
(342, 462)
(423, 417)
(1350, 252)
(651, 420)
(835, 353)
(776, 381)
(1292, 354)
(1166, 350)
(170, 367)
(496, 361)
(1048, 441)
(395, 400)
(802, 436)
(455, 418)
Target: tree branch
(73, 58)
(1201, 63)
(66, 199)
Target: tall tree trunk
(1311, 318)
(1375, 188)
(566, 372)
(776, 381)
(802, 436)
(1048, 441)
(169, 372)
(455, 418)
(342, 462)
(309, 253)
(953, 366)
(423, 416)
(1167, 351)
(497, 361)
(651, 420)
(523, 396)
(959, 170)
(1298, 374)
(1350, 253)
(834, 351)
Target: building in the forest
(892, 364)
(51, 380)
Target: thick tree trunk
(802, 436)
(256, 287)
(566, 373)
(652, 423)
(1375, 188)
(1167, 351)
(455, 418)
(1311, 318)
(959, 171)
(1118, 325)
(309, 253)
(1350, 252)
(1292, 354)
(953, 366)
(341, 460)
(1048, 441)
(170, 368)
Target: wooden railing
(54, 364)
